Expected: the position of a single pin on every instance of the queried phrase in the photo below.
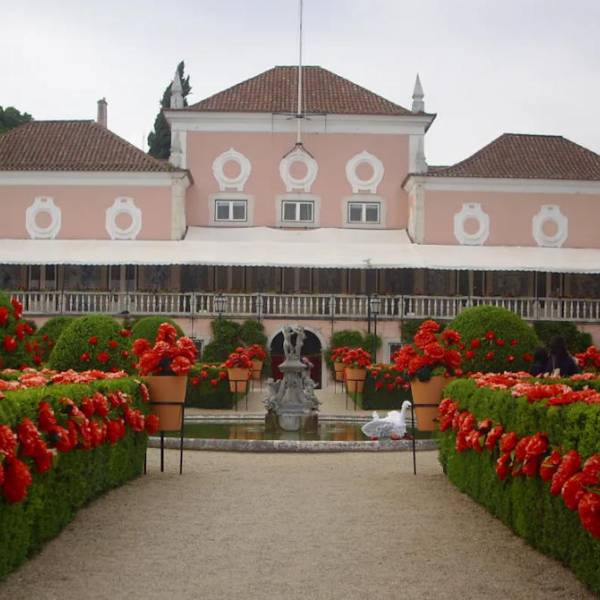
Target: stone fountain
(291, 402)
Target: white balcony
(313, 306)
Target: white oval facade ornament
(236, 182)
(123, 206)
(298, 183)
(550, 213)
(364, 185)
(43, 205)
(471, 211)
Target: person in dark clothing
(540, 361)
(560, 358)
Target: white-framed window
(297, 211)
(42, 277)
(364, 212)
(231, 210)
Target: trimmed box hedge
(76, 477)
(524, 503)
(207, 388)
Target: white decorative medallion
(364, 185)
(123, 206)
(471, 212)
(41, 206)
(237, 182)
(550, 213)
(298, 183)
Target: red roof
(71, 146)
(525, 156)
(276, 91)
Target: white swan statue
(393, 426)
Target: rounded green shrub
(495, 339)
(147, 328)
(47, 335)
(93, 342)
(576, 340)
(17, 347)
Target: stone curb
(291, 445)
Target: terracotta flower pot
(339, 367)
(238, 379)
(256, 369)
(167, 397)
(355, 380)
(428, 392)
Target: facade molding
(550, 213)
(89, 178)
(527, 186)
(43, 204)
(471, 211)
(178, 204)
(238, 182)
(123, 206)
(281, 123)
(364, 185)
(292, 183)
(416, 214)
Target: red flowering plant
(239, 359)
(589, 361)
(18, 347)
(337, 354)
(256, 352)
(431, 353)
(386, 378)
(170, 355)
(356, 358)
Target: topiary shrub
(228, 335)
(495, 339)
(253, 332)
(577, 341)
(93, 342)
(147, 328)
(47, 335)
(208, 387)
(17, 347)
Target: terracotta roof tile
(276, 91)
(525, 156)
(72, 146)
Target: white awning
(318, 248)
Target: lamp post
(374, 308)
(219, 305)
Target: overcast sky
(487, 66)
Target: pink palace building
(245, 222)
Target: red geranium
(17, 478)
(256, 352)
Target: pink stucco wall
(265, 151)
(83, 209)
(511, 215)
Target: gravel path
(287, 526)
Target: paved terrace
(281, 526)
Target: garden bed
(520, 478)
(62, 445)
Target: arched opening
(311, 349)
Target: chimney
(102, 118)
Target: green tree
(159, 140)
(10, 117)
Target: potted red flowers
(164, 367)
(337, 356)
(257, 355)
(239, 369)
(429, 363)
(356, 361)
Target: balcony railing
(316, 306)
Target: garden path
(289, 526)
